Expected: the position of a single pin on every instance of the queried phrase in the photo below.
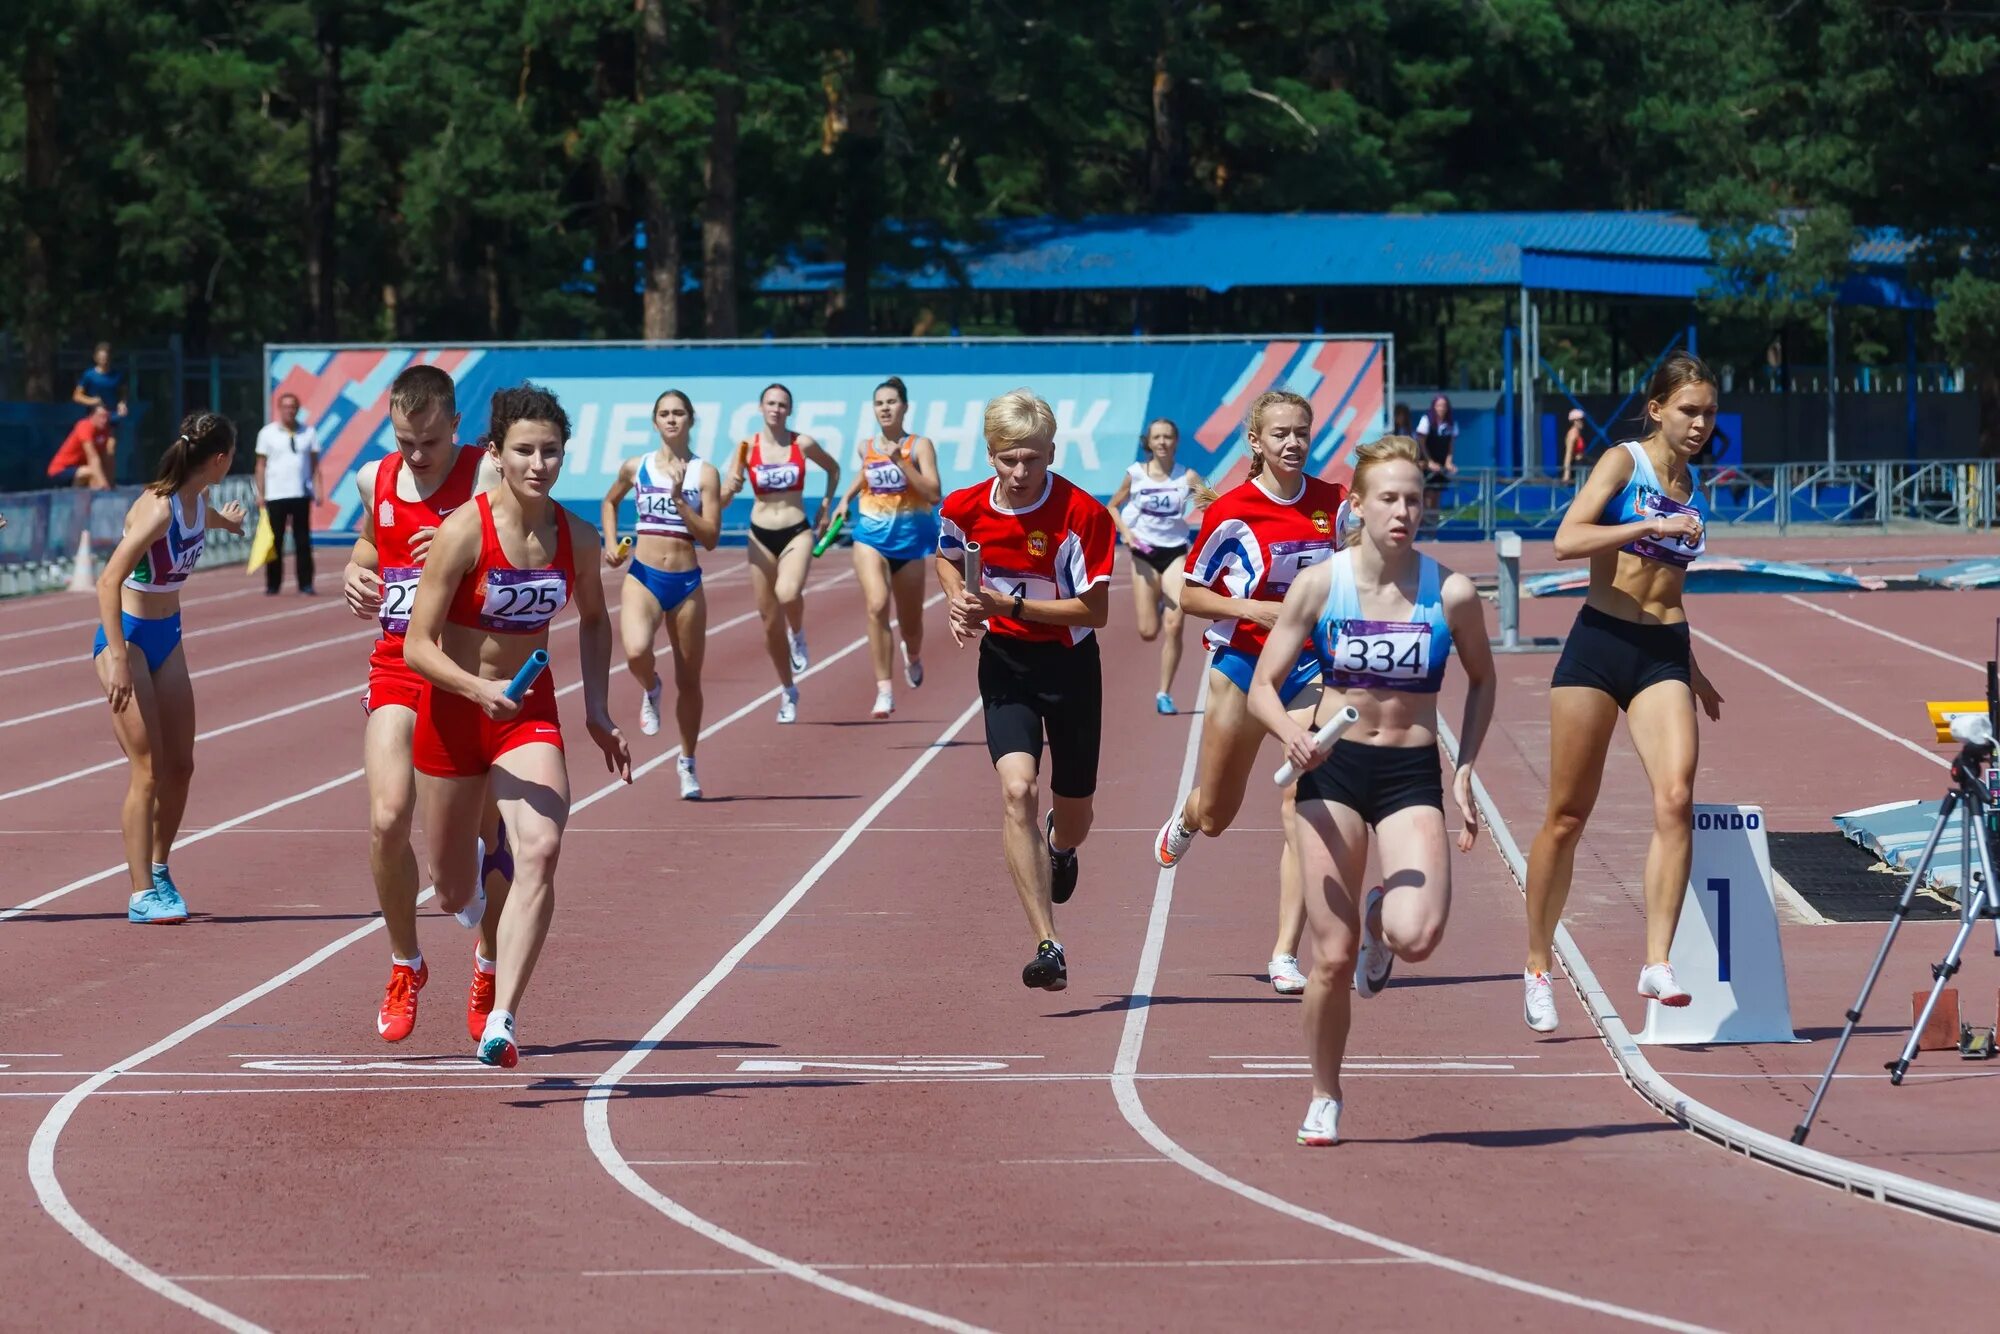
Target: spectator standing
(88, 454)
(288, 486)
(100, 386)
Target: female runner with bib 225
(139, 607)
(781, 539)
(1150, 508)
(499, 570)
(680, 514)
(898, 487)
(1382, 619)
(1638, 518)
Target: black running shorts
(1621, 658)
(1036, 690)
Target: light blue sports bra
(1357, 653)
(1644, 498)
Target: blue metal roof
(1636, 254)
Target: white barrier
(1726, 950)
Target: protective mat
(1847, 883)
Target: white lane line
(83, 656)
(87, 622)
(597, 1104)
(42, 1149)
(955, 1266)
(1126, 1088)
(1820, 699)
(1873, 629)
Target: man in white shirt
(288, 486)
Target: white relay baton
(1322, 742)
(971, 568)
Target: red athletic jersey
(1055, 548)
(498, 596)
(1251, 546)
(397, 522)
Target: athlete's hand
(116, 674)
(1299, 751)
(1666, 526)
(967, 614)
(1139, 544)
(615, 554)
(491, 697)
(1468, 810)
(1710, 697)
(617, 755)
(363, 590)
(232, 516)
(1264, 614)
(420, 544)
(819, 524)
(676, 473)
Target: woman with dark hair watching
(139, 607)
(898, 487)
(1437, 433)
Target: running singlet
(1055, 548)
(789, 474)
(1156, 512)
(167, 563)
(1253, 546)
(661, 512)
(496, 596)
(397, 522)
(1357, 653)
(892, 518)
(1644, 498)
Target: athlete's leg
(1172, 621)
(1291, 882)
(392, 796)
(173, 750)
(1230, 740)
(764, 583)
(638, 626)
(872, 569)
(1333, 858)
(532, 785)
(1581, 721)
(1411, 848)
(135, 727)
(1146, 598)
(453, 810)
(1026, 844)
(1662, 722)
(794, 564)
(908, 587)
(687, 633)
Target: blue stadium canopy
(1663, 255)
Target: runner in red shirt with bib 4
(1045, 552)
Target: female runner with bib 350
(139, 607)
(499, 570)
(1638, 518)
(1382, 620)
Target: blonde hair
(1020, 417)
(1382, 450)
(1267, 400)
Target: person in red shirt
(1045, 554)
(88, 454)
(1253, 544)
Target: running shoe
(913, 668)
(478, 1002)
(649, 708)
(885, 702)
(1322, 1124)
(470, 915)
(1373, 960)
(1163, 704)
(1062, 866)
(1656, 982)
(1048, 969)
(1286, 979)
(800, 658)
(788, 704)
(690, 785)
(163, 881)
(1538, 1005)
(399, 1001)
(155, 907)
(496, 1043)
(1174, 841)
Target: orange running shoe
(479, 1003)
(399, 1002)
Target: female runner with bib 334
(139, 607)
(1638, 517)
(680, 514)
(499, 570)
(1382, 619)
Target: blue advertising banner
(1103, 394)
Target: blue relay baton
(517, 689)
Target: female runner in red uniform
(499, 570)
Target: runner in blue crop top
(1382, 620)
(1639, 520)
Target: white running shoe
(885, 702)
(913, 671)
(649, 708)
(690, 785)
(800, 658)
(1173, 841)
(788, 705)
(1538, 1005)
(472, 913)
(1374, 959)
(1656, 982)
(1322, 1124)
(1286, 979)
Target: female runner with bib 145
(898, 488)
(773, 462)
(1382, 620)
(139, 607)
(1638, 518)
(680, 515)
(1150, 508)
(499, 571)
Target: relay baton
(971, 567)
(517, 689)
(624, 545)
(1322, 742)
(832, 531)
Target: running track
(779, 1065)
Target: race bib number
(399, 594)
(522, 599)
(1015, 583)
(887, 479)
(1680, 549)
(1165, 504)
(1386, 654)
(1289, 559)
(779, 477)
(656, 505)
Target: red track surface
(848, 1074)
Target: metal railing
(38, 547)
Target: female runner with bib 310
(1638, 518)
(499, 570)
(139, 607)
(898, 488)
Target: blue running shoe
(156, 907)
(1164, 703)
(163, 883)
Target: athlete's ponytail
(202, 436)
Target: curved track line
(1125, 1086)
(597, 1105)
(1904, 640)
(42, 1149)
